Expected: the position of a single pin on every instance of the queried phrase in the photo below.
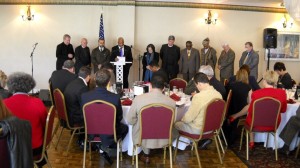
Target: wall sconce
(209, 19)
(287, 23)
(29, 15)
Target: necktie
(189, 53)
(245, 60)
(121, 51)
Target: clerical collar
(170, 45)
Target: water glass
(175, 90)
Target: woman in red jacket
(26, 107)
(270, 79)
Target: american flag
(101, 29)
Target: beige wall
(138, 25)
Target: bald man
(122, 51)
(82, 55)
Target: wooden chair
(228, 101)
(178, 82)
(63, 117)
(156, 122)
(213, 121)
(100, 118)
(265, 113)
(47, 137)
(296, 155)
(225, 82)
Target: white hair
(207, 70)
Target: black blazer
(62, 52)
(144, 61)
(252, 82)
(166, 65)
(127, 53)
(72, 95)
(61, 78)
(83, 57)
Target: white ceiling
(261, 3)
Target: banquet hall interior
(32, 31)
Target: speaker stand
(268, 63)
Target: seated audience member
(61, 78)
(155, 96)
(110, 68)
(73, 94)
(191, 89)
(102, 78)
(284, 80)
(240, 90)
(252, 81)
(28, 108)
(154, 67)
(4, 152)
(3, 92)
(270, 79)
(289, 131)
(193, 120)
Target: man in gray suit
(226, 63)
(100, 55)
(208, 55)
(251, 58)
(189, 62)
(155, 96)
(289, 131)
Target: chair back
(178, 82)
(156, 122)
(266, 111)
(100, 118)
(51, 93)
(226, 82)
(228, 101)
(60, 105)
(49, 127)
(213, 119)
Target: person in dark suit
(82, 55)
(64, 51)
(189, 61)
(284, 80)
(102, 78)
(73, 94)
(170, 55)
(154, 67)
(250, 58)
(61, 78)
(252, 81)
(100, 55)
(148, 57)
(122, 51)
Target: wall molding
(145, 4)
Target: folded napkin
(175, 97)
(291, 101)
(126, 102)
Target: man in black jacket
(122, 51)
(73, 93)
(61, 78)
(82, 55)
(64, 51)
(170, 55)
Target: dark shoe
(106, 157)
(284, 152)
(204, 143)
(145, 159)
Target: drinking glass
(175, 90)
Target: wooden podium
(119, 68)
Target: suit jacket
(226, 61)
(83, 57)
(170, 62)
(195, 114)
(144, 61)
(155, 96)
(61, 78)
(208, 58)
(62, 52)
(115, 51)
(189, 64)
(100, 58)
(252, 61)
(72, 95)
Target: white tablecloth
(127, 141)
(262, 137)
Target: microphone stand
(31, 56)
(140, 57)
(268, 63)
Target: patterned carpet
(262, 157)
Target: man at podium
(122, 50)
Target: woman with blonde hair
(3, 92)
(269, 82)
